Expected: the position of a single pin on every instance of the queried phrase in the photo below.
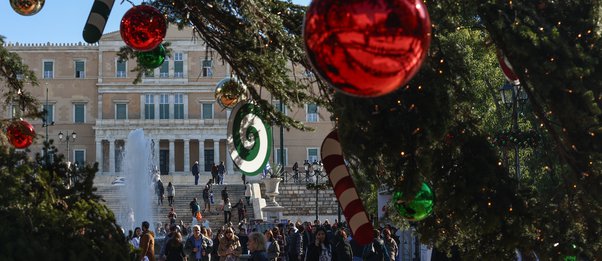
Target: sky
(60, 21)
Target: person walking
(175, 249)
(194, 208)
(320, 249)
(171, 192)
(248, 193)
(147, 243)
(214, 174)
(257, 247)
(206, 200)
(242, 209)
(224, 195)
(227, 211)
(295, 243)
(390, 245)
(272, 246)
(375, 251)
(341, 248)
(160, 190)
(221, 171)
(171, 216)
(229, 246)
(195, 172)
(197, 246)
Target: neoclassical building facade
(87, 90)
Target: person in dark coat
(256, 246)
(174, 249)
(341, 249)
(195, 172)
(320, 249)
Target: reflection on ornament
(152, 59)
(417, 209)
(367, 48)
(20, 134)
(229, 93)
(143, 28)
(27, 7)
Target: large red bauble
(20, 134)
(143, 28)
(367, 47)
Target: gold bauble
(27, 7)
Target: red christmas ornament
(367, 48)
(20, 134)
(143, 28)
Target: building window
(80, 71)
(49, 109)
(311, 112)
(79, 157)
(121, 69)
(285, 156)
(164, 69)
(207, 111)
(178, 66)
(164, 106)
(149, 73)
(207, 68)
(149, 107)
(79, 113)
(277, 107)
(48, 69)
(121, 111)
(312, 154)
(15, 111)
(178, 107)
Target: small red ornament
(143, 28)
(367, 48)
(20, 134)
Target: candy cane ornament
(249, 139)
(97, 19)
(344, 188)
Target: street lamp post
(45, 124)
(68, 138)
(513, 95)
(318, 170)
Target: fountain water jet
(138, 192)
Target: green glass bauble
(152, 59)
(417, 209)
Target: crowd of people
(283, 242)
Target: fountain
(138, 192)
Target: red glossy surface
(143, 28)
(20, 134)
(368, 47)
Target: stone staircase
(184, 194)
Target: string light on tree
(372, 50)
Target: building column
(216, 151)
(99, 155)
(156, 149)
(172, 162)
(186, 155)
(112, 156)
(99, 113)
(201, 155)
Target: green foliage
(51, 212)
